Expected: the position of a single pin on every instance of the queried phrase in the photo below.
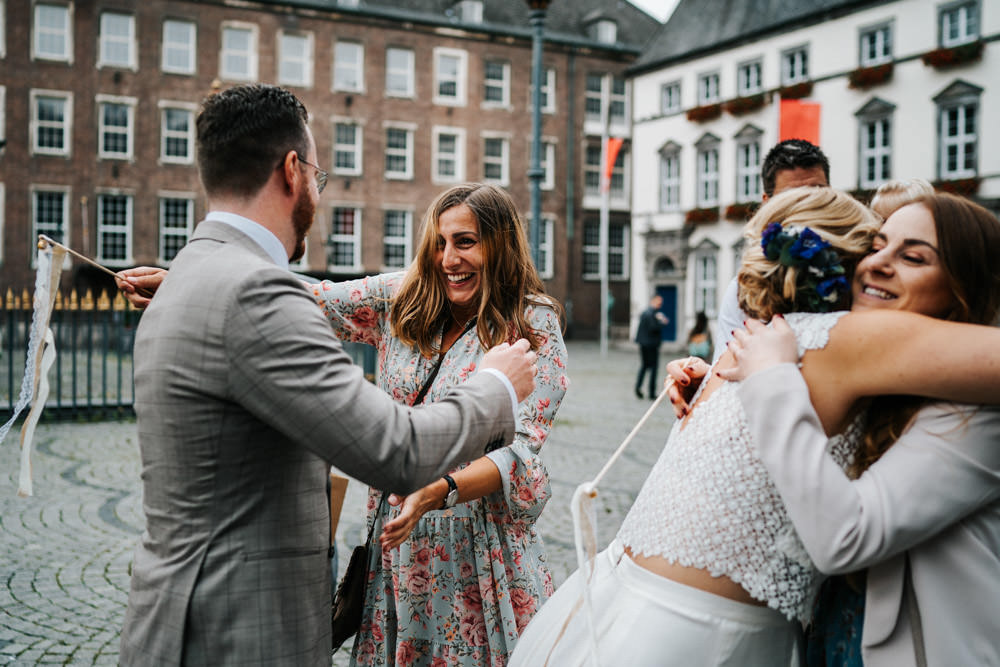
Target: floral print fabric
(467, 580)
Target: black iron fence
(91, 377)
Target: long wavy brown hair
(509, 282)
(968, 236)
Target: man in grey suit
(244, 398)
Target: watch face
(452, 498)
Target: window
(470, 11)
(670, 97)
(617, 250)
(114, 229)
(51, 112)
(794, 66)
(179, 40)
(348, 67)
(496, 84)
(548, 164)
(548, 91)
(496, 160)
(959, 24)
(3, 54)
(399, 72)
(3, 208)
(117, 42)
(50, 215)
(705, 279)
(748, 79)
(449, 155)
(177, 133)
(617, 185)
(449, 76)
(670, 177)
(708, 172)
(876, 46)
(876, 152)
(748, 184)
(347, 148)
(958, 141)
(116, 123)
(708, 88)
(397, 235)
(594, 98)
(52, 38)
(238, 59)
(344, 244)
(399, 152)
(176, 224)
(604, 31)
(592, 171)
(594, 95)
(545, 251)
(618, 101)
(295, 65)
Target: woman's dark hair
(243, 135)
(700, 324)
(968, 236)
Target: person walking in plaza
(707, 568)
(462, 569)
(649, 336)
(933, 566)
(244, 398)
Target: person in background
(244, 398)
(649, 336)
(791, 163)
(462, 570)
(699, 342)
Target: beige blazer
(935, 495)
(244, 398)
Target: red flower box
(964, 187)
(740, 211)
(866, 77)
(701, 216)
(956, 55)
(741, 105)
(796, 91)
(704, 113)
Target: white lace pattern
(709, 503)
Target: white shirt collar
(260, 234)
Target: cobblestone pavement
(65, 552)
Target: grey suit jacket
(934, 496)
(244, 397)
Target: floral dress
(467, 580)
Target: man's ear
(764, 197)
(290, 170)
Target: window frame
(358, 68)
(546, 247)
(709, 86)
(66, 33)
(190, 49)
(354, 238)
(356, 150)
(162, 231)
(63, 236)
(166, 134)
(66, 124)
(707, 174)
(965, 142)
(407, 152)
(669, 180)
(408, 72)
(503, 85)
(460, 80)
(548, 91)
(251, 54)
(105, 42)
(666, 108)
(592, 249)
(795, 65)
(103, 227)
(130, 104)
(880, 155)
(747, 174)
(503, 160)
(405, 240)
(744, 85)
(457, 158)
(869, 39)
(705, 288)
(968, 34)
(305, 60)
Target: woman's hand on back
(759, 347)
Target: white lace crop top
(709, 503)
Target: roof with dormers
(566, 21)
(701, 27)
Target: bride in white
(707, 568)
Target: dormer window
(605, 31)
(470, 11)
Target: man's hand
(139, 284)
(687, 375)
(517, 362)
(761, 347)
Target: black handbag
(349, 601)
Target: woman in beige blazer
(924, 514)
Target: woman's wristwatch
(451, 498)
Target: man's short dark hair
(244, 133)
(791, 154)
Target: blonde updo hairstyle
(767, 287)
(897, 193)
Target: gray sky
(658, 8)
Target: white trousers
(644, 620)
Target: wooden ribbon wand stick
(43, 239)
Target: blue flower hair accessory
(822, 281)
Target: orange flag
(799, 120)
(614, 145)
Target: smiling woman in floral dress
(460, 574)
